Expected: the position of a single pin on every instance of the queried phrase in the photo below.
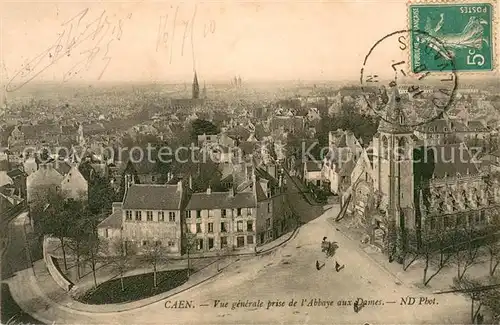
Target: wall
(58, 277)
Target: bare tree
(121, 258)
(471, 288)
(190, 245)
(154, 254)
(411, 252)
(92, 253)
(221, 254)
(494, 256)
(466, 252)
(436, 250)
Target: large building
(422, 187)
(252, 212)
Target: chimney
(179, 186)
(116, 206)
(231, 192)
(209, 190)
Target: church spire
(196, 87)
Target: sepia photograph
(249, 162)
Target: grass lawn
(136, 287)
(12, 314)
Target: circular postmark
(388, 76)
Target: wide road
(287, 273)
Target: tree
(56, 220)
(121, 258)
(221, 254)
(494, 256)
(470, 287)
(100, 196)
(92, 251)
(199, 127)
(80, 229)
(436, 250)
(154, 254)
(466, 250)
(190, 244)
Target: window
(223, 242)
(138, 216)
(269, 207)
(161, 216)
(223, 227)
(432, 223)
(198, 228)
(223, 213)
(269, 234)
(249, 226)
(107, 233)
(210, 243)
(198, 213)
(240, 225)
(210, 227)
(171, 243)
(460, 220)
(158, 243)
(171, 216)
(128, 215)
(200, 244)
(188, 214)
(153, 179)
(149, 215)
(268, 222)
(249, 211)
(238, 212)
(144, 242)
(210, 213)
(249, 240)
(240, 241)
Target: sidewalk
(414, 274)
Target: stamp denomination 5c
(466, 31)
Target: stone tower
(394, 164)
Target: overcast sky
(259, 41)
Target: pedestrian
(317, 265)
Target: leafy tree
(154, 254)
(56, 220)
(100, 196)
(199, 127)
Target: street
(289, 272)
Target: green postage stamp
(461, 33)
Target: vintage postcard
(250, 162)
